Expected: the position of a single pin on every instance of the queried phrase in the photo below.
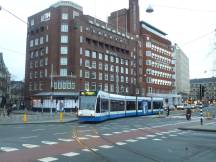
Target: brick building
(68, 51)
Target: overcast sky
(189, 23)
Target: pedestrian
(168, 110)
(188, 114)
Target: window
(80, 61)
(93, 86)
(106, 76)
(94, 54)
(36, 41)
(63, 61)
(94, 64)
(86, 85)
(111, 88)
(112, 58)
(81, 39)
(117, 60)
(126, 70)
(106, 88)
(63, 72)
(81, 73)
(122, 78)
(86, 74)
(47, 38)
(32, 22)
(46, 61)
(148, 44)
(100, 56)
(64, 50)
(112, 68)
(87, 53)
(106, 67)
(41, 40)
(46, 50)
(100, 65)
(45, 17)
(111, 77)
(64, 27)
(148, 53)
(75, 14)
(64, 39)
(31, 43)
(81, 51)
(87, 63)
(149, 89)
(100, 76)
(106, 58)
(122, 70)
(64, 16)
(93, 75)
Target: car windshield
(87, 102)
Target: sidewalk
(17, 117)
(207, 127)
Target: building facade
(209, 85)
(182, 72)
(4, 78)
(68, 51)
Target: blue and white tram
(100, 106)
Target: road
(149, 139)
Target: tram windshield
(87, 102)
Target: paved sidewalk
(208, 126)
(36, 118)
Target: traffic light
(203, 91)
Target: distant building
(4, 77)
(182, 72)
(17, 92)
(68, 51)
(209, 88)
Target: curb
(199, 129)
(34, 123)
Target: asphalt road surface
(137, 139)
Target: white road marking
(48, 159)
(163, 137)
(120, 143)
(87, 150)
(30, 146)
(59, 133)
(82, 138)
(107, 134)
(126, 131)
(172, 135)
(157, 139)
(159, 134)
(49, 142)
(93, 136)
(150, 135)
(117, 132)
(35, 130)
(140, 138)
(131, 140)
(8, 149)
(65, 140)
(133, 129)
(70, 154)
(28, 137)
(106, 146)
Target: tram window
(117, 105)
(104, 105)
(98, 105)
(131, 105)
(140, 107)
(157, 105)
(149, 105)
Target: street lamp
(149, 9)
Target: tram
(100, 106)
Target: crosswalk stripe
(65, 140)
(8, 149)
(47, 159)
(30, 145)
(107, 134)
(120, 143)
(70, 154)
(140, 138)
(150, 135)
(87, 150)
(49, 142)
(106, 146)
(157, 139)
(131, 140)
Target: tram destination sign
(88, 93)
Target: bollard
(61, 116)
(25, 118)
(201, 116)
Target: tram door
(145, 107)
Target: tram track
(102, 157)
